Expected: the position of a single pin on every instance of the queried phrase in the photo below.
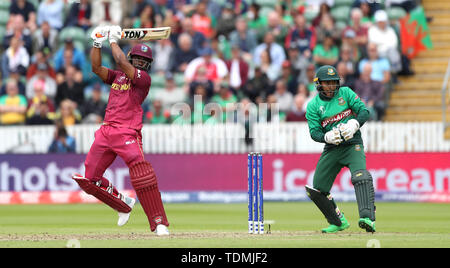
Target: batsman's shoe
(161, 230)
(367, 224)
(334, 228)
(124, 217)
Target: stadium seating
(418, 97)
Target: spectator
(324, 10)
(309, 81)
(51, 11)
(201, 21)
(274, 113)
(65, 53)
(26, 10)
(326, 53)
(15, 58)
(146, 18)
(38, 58)
(171, 94)
(226, 100)
(267, 66)
(304, 38)
(39, 114)
(351, 47)
(163, 50)
(276, 52)
(244, 38)
(21, 85)
(276, 27)
(41, 81)
(258, 87)
(93, 109)
(45, 39)
(226, 22)
(284, 97)
(216, 69)
(183, 53)
(287, 75)
(368, 9)
(381, 69)
(371, 92)
(386, 40)
(327, 26)
(197, 104)
(347, 78)
(16, 28)
(80, 14)
(357, 29)
(298, 112)
(13, 106)
(106, 12)
(70, 88)
(157, 115)
(62, 142)
(283, 11)
(299, 63)
(345, 57)
(407, 5)
(34, 103)
(67, 113)
(255, 22)
(238, 70)
(198, 39)
(201, 78)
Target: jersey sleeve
(141, 79)
(357, 106)
(111, 76)
(313, 119)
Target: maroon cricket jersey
(126, 97)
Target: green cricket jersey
(323, 115)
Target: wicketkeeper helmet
(326, 73)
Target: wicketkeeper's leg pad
(105, 193)
(325, 205)
(365, 193)
(143, 179)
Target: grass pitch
(292, 225)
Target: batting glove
(349, 129)
(115, 34)
(333, 136)
(99, 34)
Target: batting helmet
(327, 73)
(141, 57)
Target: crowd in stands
(227, 51)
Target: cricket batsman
(120, 133)
(335, 116)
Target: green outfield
(294, 224)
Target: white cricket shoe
(123, 217)
(161, 230)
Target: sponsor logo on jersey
(337, 117)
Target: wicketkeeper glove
(99, 34)
(349, 129)
(115, 34)
(333, 136)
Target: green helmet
(327, 73)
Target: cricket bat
(146, 34)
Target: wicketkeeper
(120, 133)
(334, 118)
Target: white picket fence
(229, 138)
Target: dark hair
(62, 132)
